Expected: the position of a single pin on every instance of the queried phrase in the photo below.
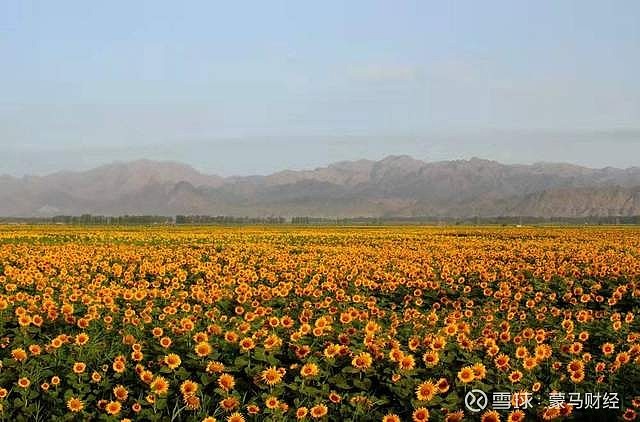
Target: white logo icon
(475, 400)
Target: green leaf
(161, 404)
(365, 384)
(241, 361)
(340, 382)
(260, 355)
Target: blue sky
(251, 87)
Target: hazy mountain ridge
(393, 186)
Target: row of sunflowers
(317, 324)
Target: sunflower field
(318, 324)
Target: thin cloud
(389, 72)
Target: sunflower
(119, 366)
(81, 339)
(456, 416)
(19, 355)
(302, 412)
(516, 416)
(246, 344)
(319, 410)
(577, 376)
(334, 397)
(566, 409)
(74, 404)
(236, 417)
(253, 409)
(272, 402)
(56, 343)
(192, 402)
(575, 348)
(215, 367)
(96, 377)
(479, 371)
(490, 416)
(543, 351)
(146, 376)
(79, 367)
(608, 349)
(443, 385)
(188, 388)
(226, 382)
(172, 360)
(165, 342)
(431, 358)
(160, 385)
(331, 351)
(521, 352)
(24, 320)
(407, 362)
(229, 403)
(466, 374)
(120, 392)
(231, 337)
(529, 363)
(271, 376)
(421, 414)
(515, 377)
(362, 361)
(426, 391)
(396, 354)
(203, 349)
(113, 408)
(575, 365)
(309, 370)
(623, 358)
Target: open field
(340, 324)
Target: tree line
(88, 219)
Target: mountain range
(393, 186)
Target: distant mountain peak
(402, 158)
(395, 185)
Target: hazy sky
(251, 87)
